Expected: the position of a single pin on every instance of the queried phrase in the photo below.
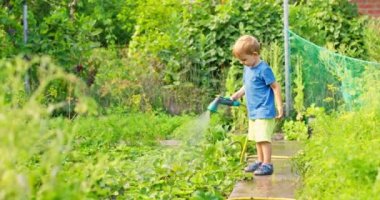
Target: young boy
(262, 93)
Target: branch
(72, 6)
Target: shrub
(372, 39)
(33, 149)
(335, 21)
(341, 158)
(295, 130)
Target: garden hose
(243, 150)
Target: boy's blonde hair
(247, 45)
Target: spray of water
(193, 131)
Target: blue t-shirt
(259, 94)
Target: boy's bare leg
(259, 149)
(266, 151)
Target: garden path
(279, 186)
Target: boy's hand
(238, 94)
(234, 97)
(280, 113)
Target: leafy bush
(33, 149)
(114, 83)
(295, 130)
(372, 41)
(191, 47)
(335, 21)
(341, 158)
(11, 42)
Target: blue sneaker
(252, 167)
(264, 169)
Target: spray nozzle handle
(228, 101)
(222, 100)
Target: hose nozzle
(213, 106)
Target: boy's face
(249, 60)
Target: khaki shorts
(261, 130)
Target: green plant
(298, 90)
(342, 152)
(295, 130)
(372, 41)
(112, 156)
(11, 42)
(314, 111)
(233, 84)
(340, 157)
(335, 21)
(34, 149)
(103, 152)
(273, 53)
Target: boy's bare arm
(277, 96)
(238, 94)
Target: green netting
(330, 80)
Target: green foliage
(212, 36)
(330, 80)
(117, 156)
(177, 45)
(157, 47)
(342, 154)
(115, 81)
(45, 91)
(68, 31)
(115, 19)
(335, 21)
(234, 83)
(59, 91)
(135, 129)
(114, 156)
(11, 41)
(6, 44)
(178, 55)
(68, 40)
(192, 45)
(299, 90)
(371, 78)
(235, 18)
(295, 130)
(372, 41)
(273, 53)
(33, 149)
(314, 111)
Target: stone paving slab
(281, 185)
(285, 148)
(282, 167)
(264, 189)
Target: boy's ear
(255, 53)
